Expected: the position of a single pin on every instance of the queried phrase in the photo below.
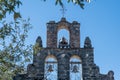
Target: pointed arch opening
(50, 68)
(75, 68)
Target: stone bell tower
(61, 60)
(73, 28)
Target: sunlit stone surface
(63, 60)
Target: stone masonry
(90, 71)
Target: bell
(50, 68)
(63, 43)
(75, 69)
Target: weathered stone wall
(63, 62)
(51, 35)
(73, 28)
(90, 71)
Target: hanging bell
(50, 68)
(75, 69)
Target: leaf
(17, 22)
(3, 12)
(1, 16)
(18, 3)
(17, 15)
(60, 2)
(68, 1)
(56, 2)
(81, 5)
(27, 59)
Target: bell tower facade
(73, 28)
(63, 60)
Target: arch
(51, 58)
(63, 25)
(75, 58)
(73, 28)
(75, 68)
(63, 33)
(50, 68)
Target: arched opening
(75, 68)
(50, 68)
(63, 38)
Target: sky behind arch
(100, 20)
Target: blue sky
(100, 20)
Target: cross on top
(63, 10)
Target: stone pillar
(75, 35)
(87, 63)
(51, 35)
(63, 68)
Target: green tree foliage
(14, 53)
(36, 48)
(9, 6)
(77, 2)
